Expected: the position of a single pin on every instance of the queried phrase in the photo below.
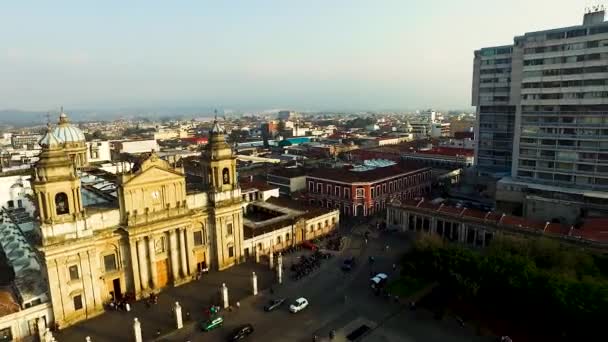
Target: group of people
(152, 299)
(122, 303)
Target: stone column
(280, 268)
(182, 250)
(137, 330)
(143, 269)
(152, 255)
(224, 292)
(133, 253)
(174, 254)
(178, 316)
(254, 283)
(271, 259)
(257, 254)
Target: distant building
(25, 141)
(134, 147)
(366, 191)
(286, 115)
(441, 157)
(289, 180)
(98, 151)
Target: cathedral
(149, 233)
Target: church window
(360, 192)
(229, 228)
(109, 262)
(231, 251)
(159, 245)
(287, 237)
(77, 302)
(74, 272)
(11, 204)
(226, 175)
(198, 238)
(61, 203)
(278, 240)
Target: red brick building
(364, 193)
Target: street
(339, 301)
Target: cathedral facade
(155, 234)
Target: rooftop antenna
(215, 111)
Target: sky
(257, 54)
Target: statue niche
(226, 175)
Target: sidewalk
(194, 297)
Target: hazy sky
(313, 54)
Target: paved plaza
(339, 301)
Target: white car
(299, 305)
(378, 279)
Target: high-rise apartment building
(549, 92)
(495, 109)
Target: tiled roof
(343, 175)
(288, 172)
(448, 151)
(256, 184)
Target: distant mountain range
(15, 117)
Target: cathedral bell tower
(220, 180)
(56, 183)
(218, 162)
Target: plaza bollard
(280, 268)
(254, 284)
(137, 330)
(271, 260)
(224, 291)
(178, 316)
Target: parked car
(212, 323)
(348, 264)
(378, 280)
(241, 332)
(309, 245)
(273, 304)
(299, 305)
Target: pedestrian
(394, 267)
(271, 290)
(127, 307)
(238, 305)
(157, 332)
(386, 248)
(365, 241)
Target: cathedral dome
(50, 140)
(67, 132)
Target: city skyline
(350, 55)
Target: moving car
(275, 303)
(309, 245)
(378, 280)
(299, 305)
(348, 264)
(241, 332)
(212, 323)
